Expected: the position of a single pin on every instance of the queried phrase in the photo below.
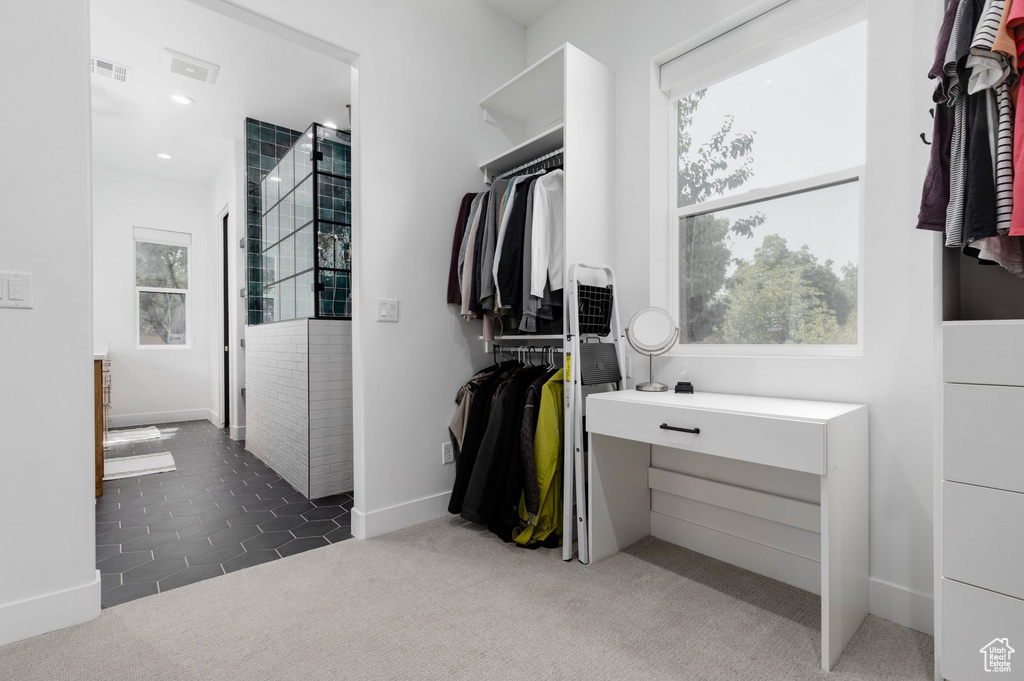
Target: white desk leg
(844, 535)
(620, 494)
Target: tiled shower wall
(265, 145)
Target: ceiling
(261, 76)
(524, 12)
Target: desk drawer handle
(695, 431)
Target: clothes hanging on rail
(454, 289)
(508, 252)
(507, 433)
(974, 186)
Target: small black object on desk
(684, 387)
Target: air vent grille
(108, 69)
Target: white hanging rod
(552, 154)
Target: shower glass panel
(306, 230)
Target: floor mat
(135, 466)
(116, 437)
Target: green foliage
(780, 296)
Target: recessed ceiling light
(182, 99)
(330, 124)
(166, 157)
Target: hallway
(221, 510)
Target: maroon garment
(935, 196)
(454, 292)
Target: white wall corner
(49, 612)
(367, 524)
(238, 433)
(214, 418)
(902, 605)
(154, 418)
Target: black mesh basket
(595, 304)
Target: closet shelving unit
(979, 467)
(564, 101)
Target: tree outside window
(162, 288)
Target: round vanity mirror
(652, 331)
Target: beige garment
(467, 265)
(1004, 42)
(1008, 251)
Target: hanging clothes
(454, 290)
(935, 197)
(548, 259)
(540, 510)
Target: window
(766, 212)
(161, 287)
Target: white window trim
(167, 238)
(836, 15)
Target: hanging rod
(540, 159)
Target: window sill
(771, 351)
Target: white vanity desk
(829, 440)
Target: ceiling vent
(108, 69)
(190, 67)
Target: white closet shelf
(532, 148)
(532, 93)
(526, 336)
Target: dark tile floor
(221, 510)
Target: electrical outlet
(447, 453)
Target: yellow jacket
(547, 457)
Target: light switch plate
(387, 309)
(17, 290)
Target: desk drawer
(971, 619)
(786, 443)
(981, 437)
(983, 537)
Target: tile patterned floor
(221, 511)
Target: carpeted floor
(445, 600)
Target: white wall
(420, 135)
(895, 377)
(48, 575)
(154, 384)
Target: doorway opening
(226, 330)
(200, 202)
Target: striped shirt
(988, 68)
(1004, 158)
(958, 146)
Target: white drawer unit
(982, 440)
(772, 440)
(984, 538)
(982, 352)
(980, 504)
(974, 619)
(629, 499)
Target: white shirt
(548, 248)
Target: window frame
(162, 238)
(804, 185)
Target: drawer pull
(695, 431)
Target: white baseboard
(49, 612)
(214, 418)
(123, 420)
(375, 523)
(902, 605)
(237, 432)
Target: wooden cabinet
(101, 406)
